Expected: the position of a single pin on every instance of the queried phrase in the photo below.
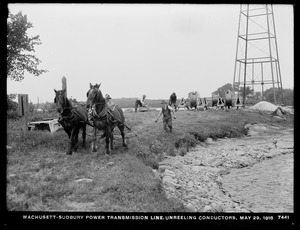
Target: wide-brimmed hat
(107, 96)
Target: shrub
(156, 146)
(182, 152)
(12, 114)
(187, 141)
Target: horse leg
(107, 139)
(83, 135)
(121, 128)
(68, 132)
(111, 136)
(135, 106)
(71, 143)
(165, 125)
(94, 140)
(75, 138)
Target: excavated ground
(249, 174)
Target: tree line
(268, 94)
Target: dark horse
(71, 118)
(104, 118)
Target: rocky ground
(196, 178)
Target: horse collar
(69, 114)
(102, 114)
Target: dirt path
(201, 179)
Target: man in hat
(167, 117)
(110, 103)
(140, 102)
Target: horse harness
(70, 116)
(105, 113)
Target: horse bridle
(62, 101)
(103, 113)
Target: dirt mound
(289, 109)
(264, 106)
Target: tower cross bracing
(257, 60)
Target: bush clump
(187, 142)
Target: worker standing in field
(166, 110)
(182, 103)
(205, 103)
(140, 102)
(173, 100)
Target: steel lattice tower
(257, 61)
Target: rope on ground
(133, 132)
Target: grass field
(41, 177)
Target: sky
(136, 49)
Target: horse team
(101, 116)
(72, 119)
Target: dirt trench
(207, 179)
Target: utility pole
(64, 85)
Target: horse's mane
(100, 103)
(99, 97)
(68, 103)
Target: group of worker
(166, 109)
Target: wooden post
(64, 85)
(23, 110)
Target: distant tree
(248, 91)
(222, 90)
(49, 106)
(20, 47)
(257, 95)
(52, 107)
(287, 93)
(31, 107)
(11, 105)
(193, 93)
